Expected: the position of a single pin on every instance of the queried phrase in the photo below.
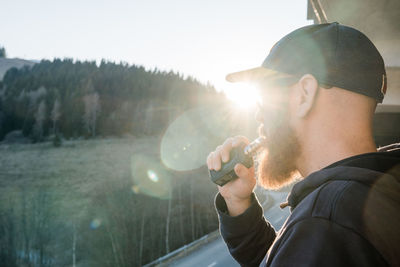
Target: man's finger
(209, 165)
(226, 148)
(216, 159)
(238, 140)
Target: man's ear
(307, 94)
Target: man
(320, 86)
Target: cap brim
(255, 74)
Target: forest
(74, 195)
(75, 99)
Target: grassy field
(79, 165)
(79, 169)
(46, 192)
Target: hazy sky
(203, 38)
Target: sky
(205, 39)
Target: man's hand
(237, 193)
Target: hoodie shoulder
(368, 209)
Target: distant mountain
(8, 63)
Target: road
(215, 253)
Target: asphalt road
(216, 254)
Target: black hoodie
(347, 214)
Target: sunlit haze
(205, 39)
(243, 95)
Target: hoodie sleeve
(248, 235)
(320, 242)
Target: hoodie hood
(369, 169)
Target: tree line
(74, 99)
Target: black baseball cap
(336, 55)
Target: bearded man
(320, 87)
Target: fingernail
(216, 167)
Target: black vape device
(241, 154)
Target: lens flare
(95, 224)
(195, 133)
(152, 176)
(190, 138)
(244, 96)
(135, 189)
(149, 177)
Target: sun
(244, 96)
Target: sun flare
(244, 96)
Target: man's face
(277, 165)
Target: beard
(277, 163)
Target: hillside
(75, 98)
(8, 63)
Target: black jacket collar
(364, 168)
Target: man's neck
(318, 152)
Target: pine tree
(55, 115)
(92, 109)
(3, 52)
(40, 117)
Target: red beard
(277, 164)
